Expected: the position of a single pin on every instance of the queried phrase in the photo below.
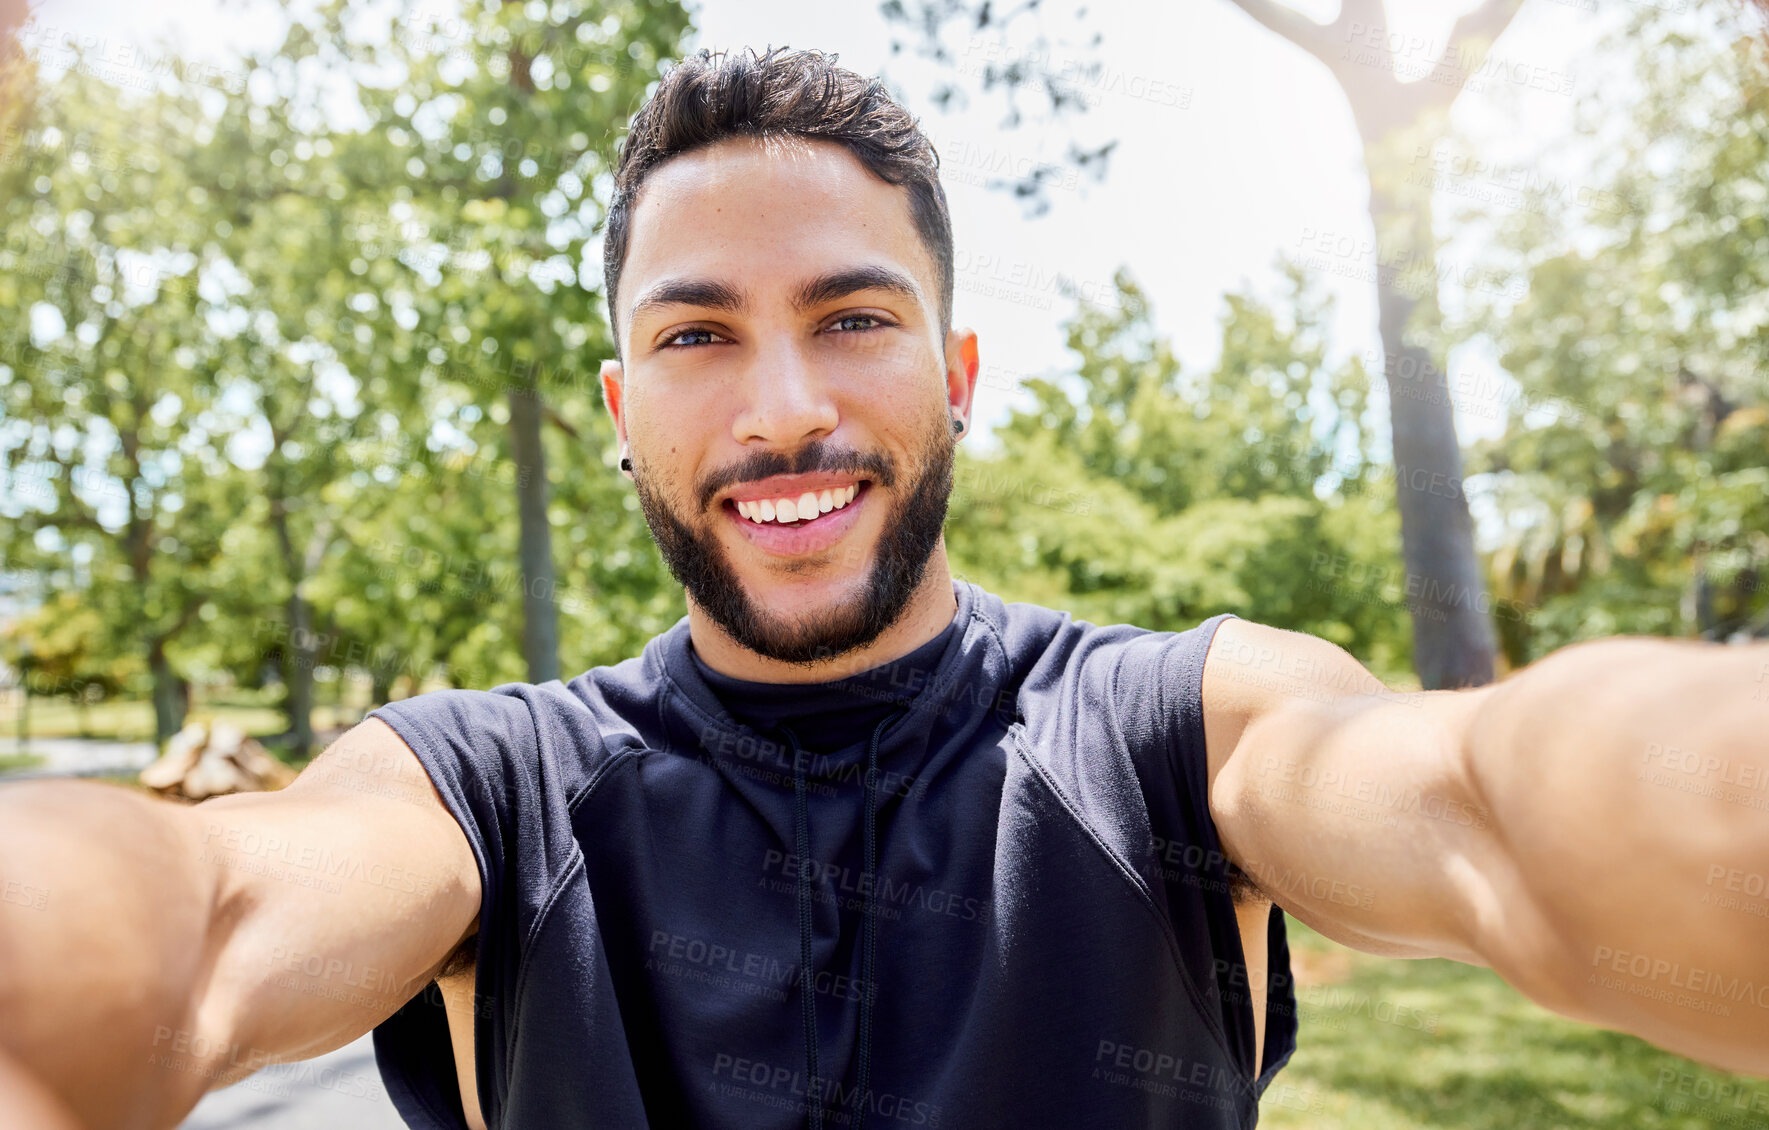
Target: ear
(613, 379)
(962, 367)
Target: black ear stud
(957, 426)
(625, 463)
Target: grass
(11, 761)
(133, 721)
(1403, 1045)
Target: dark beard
(911, 531)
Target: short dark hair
(714, 96)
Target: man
(854, 843)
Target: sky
(1236, 153)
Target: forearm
(104, 941)
(1629, 786)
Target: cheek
(667, 428)
(907, 420)
(900, 409)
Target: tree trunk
(24, 713)
(168, 697)
(381, 692)
(298, 652)
(540, 617)
(298, 659)
(1453, 640)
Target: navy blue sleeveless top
(976, 887)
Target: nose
(787, 402)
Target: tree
(1453, 640)
(330, 328)
(116, 489)
(499, 128)
(1452, 633)
(1634, 471)
(1136, 491)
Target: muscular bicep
(339, 898)
(1345, 802)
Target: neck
(926, 615)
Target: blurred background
(1437, 329)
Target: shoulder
(1049, 652)
(1253, 670)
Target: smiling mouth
(794, 511)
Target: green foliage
(112, 490)
(1135, 491)
(62, 649)
(264, 351)
(1634, 472)
(274, 347)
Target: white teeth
(804, 507)
(742, 507)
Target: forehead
(762, 214)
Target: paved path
(79, 757)
(338, 1091)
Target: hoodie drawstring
(868, 923)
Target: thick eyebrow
(710, 293)
(852, 280)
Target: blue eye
(703, 337)
(846, 323)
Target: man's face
(787, 392)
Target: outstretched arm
(1593, 828)
(150, 952)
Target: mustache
(818, 455)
